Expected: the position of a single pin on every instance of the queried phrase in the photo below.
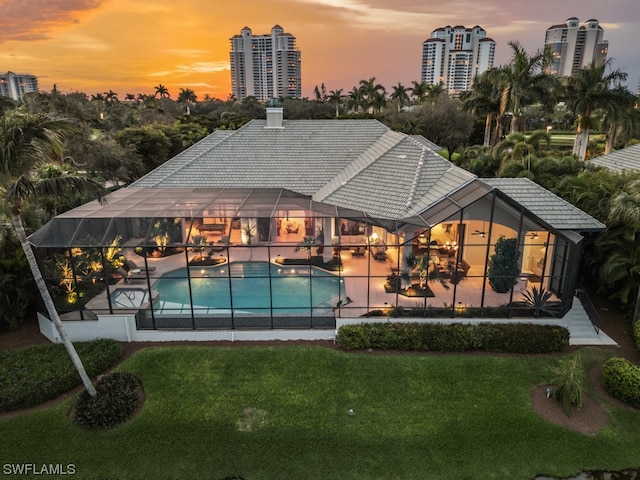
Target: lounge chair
(221, 245)
(131, 265)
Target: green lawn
(416, 417)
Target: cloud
(195, 67)
(33, 20)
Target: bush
(636, 334)
(622, 380)
(115, 402)
(455, 337)
(33, 375)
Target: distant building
(453, 56)
(14, 85)
(265, 66)
(575, 46)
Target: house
(321, 220)
(623, 160)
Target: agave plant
(539, 301)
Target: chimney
(274, 113)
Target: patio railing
(588, 306)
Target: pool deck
(358, 289)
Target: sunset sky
(130, 46)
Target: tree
(356, 100)
(111, 97)
(503, 265)
(335, 98)
(444, 123)
(162, 91)
(620, 116)
(483, 99)
(419, 91)
(373, 94)
(25, 140)
(524, 81)
(187, 97)
(588, 90)
(400, 96)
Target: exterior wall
(265, 66)
(15, 85)
(123, 328)
(454, 56)
(575, 46)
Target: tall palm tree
(524, 82)
(373, 93)
(400, 95)
(434, 90)
(335, 98)
(620, 116)
(25, 141)
(588, 90)
(162, 91)
(483, 98)
(356, 101)
(187, 97)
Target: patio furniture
(131, 266)
(213, 228)
(220, 245)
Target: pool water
(290, 290)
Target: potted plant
(503, 265)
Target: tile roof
(623, 160)
(548, 207)
(359, 164)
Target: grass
(269, 413)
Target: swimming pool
(249, 288)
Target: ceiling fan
(533, 235)
(482, 232)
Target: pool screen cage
(181, 258)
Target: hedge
(33, 375)
(454, 337)
(622, 380)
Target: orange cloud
(34, 20)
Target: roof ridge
(416, 177)
(386, 141)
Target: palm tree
(434, 90)
(187, 97)
(524, 81)
(400, 95)
(483, 99)
(373, 93)
(355, 100)
(620, 116)
(419, 91)
(25, 140)
(335, 98)
(588, 90)
(111, 97)
(162, 91)
(130, 97)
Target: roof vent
(274, 113)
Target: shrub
(636, 334)
(115, 402)
(33, 375)
(522, 337)
(569, 382)
(455, 337)
(622, 380)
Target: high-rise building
(14, 85)
(265, 66)
(575, 46)
(453, 56)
